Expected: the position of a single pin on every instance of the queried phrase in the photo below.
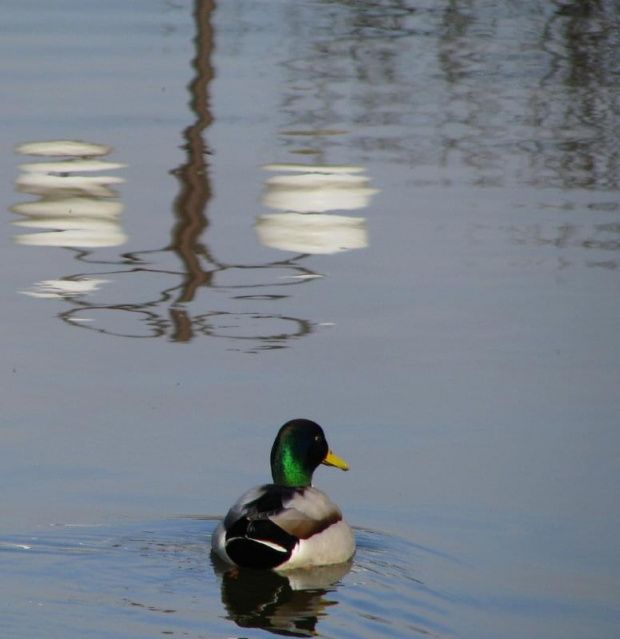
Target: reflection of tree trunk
(190, 205)
(182, 325)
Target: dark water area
(400, 219)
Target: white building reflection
(307, 194)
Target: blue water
(398, 219)
(157, 577)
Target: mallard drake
(287, 524)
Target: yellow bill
(333, 460)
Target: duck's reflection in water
(289, 603)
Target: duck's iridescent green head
(299, 448)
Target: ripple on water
(138, 579)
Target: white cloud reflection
(65, 288)
(63, 148)
(307, 194)
(77, 211)
(317, 233)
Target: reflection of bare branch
(599, 244)
(181, 328)
(529, 96)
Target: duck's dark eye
(317, 438)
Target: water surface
(398, 219)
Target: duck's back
(282, 527)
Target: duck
(289, 523)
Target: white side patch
(270, 544)
(334, 545)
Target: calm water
(400, 219)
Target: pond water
(400, 219)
